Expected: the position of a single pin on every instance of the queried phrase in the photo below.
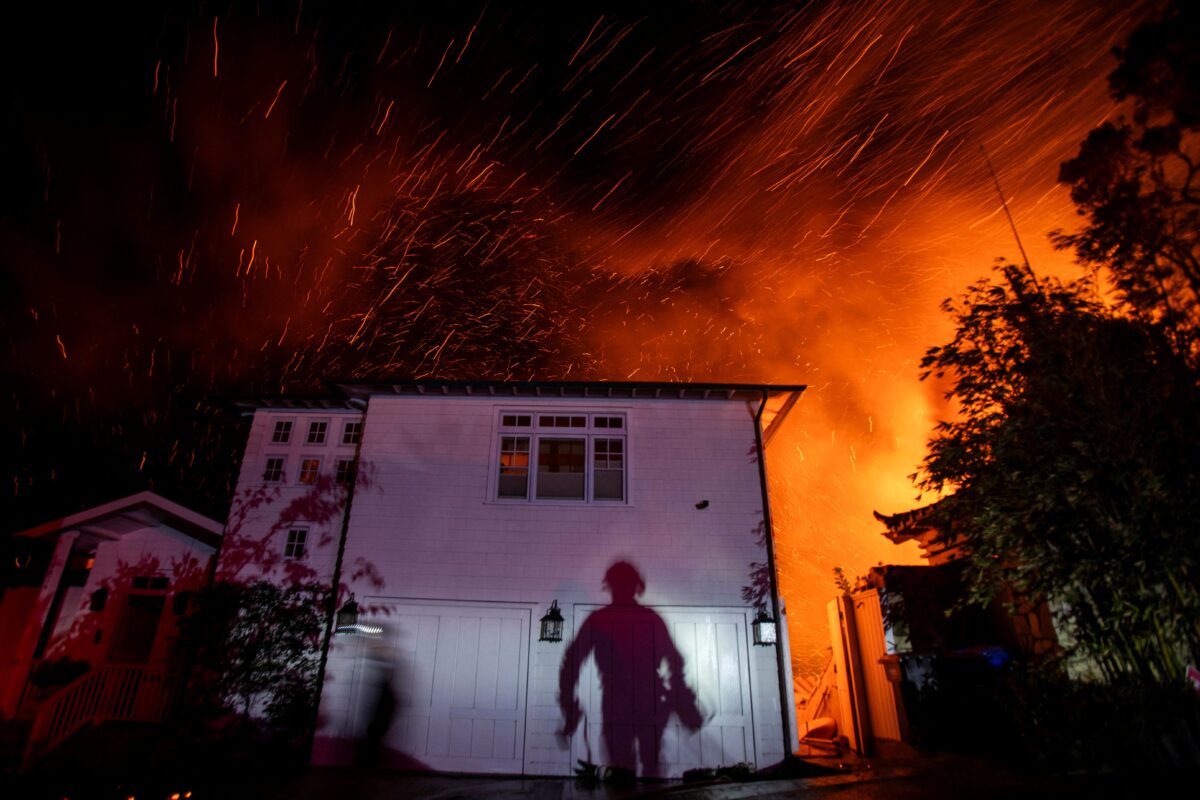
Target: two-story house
(464, 518)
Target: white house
(97, 593)
(456, 514)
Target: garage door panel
(508, 675)
(729, 673)
(466, 663)
(461, 674)
(631, 658)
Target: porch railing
(112, 692)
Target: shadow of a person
(631, 646)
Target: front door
(137, 629)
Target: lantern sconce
(347, 617)
(552, 625)
(763, 628)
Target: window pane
(308, 470)
(514, 467)
(608, 479)
(561, 468)
(282, 433)
(316, 432)
(609, 484)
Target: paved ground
(907, 776)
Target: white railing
(113, 692)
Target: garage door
(648, 720)
(460, 677)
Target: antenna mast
(1012, 225)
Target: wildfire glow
(752, 192)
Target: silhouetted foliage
(250, 655)
(1074, 470)
(1135, 179)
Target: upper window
(352, 433)
(283, 432)
(316, 432)
(345, 471)
(273, 472)
(296, 540)
(561, 457)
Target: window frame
(312, 424)
(280, 474)
(290, 422)
(344, 471)
(357, 424)
(291, 544)
(534, 433)
(316, 471)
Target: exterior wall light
(763, 628)
(552, 625)
(347, 617)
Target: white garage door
(648, 717)
(460, 681)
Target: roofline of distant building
(199, 527)
(350, 394)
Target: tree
(252, 651)
(1134, 180)
(1073, 465)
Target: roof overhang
(141, 510)
(353, 394)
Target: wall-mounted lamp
(552, 625)
(347, 617)
(763, 628)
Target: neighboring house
(96, 589)
(638, 510)
(912, 660)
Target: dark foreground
(898, 778)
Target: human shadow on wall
(631, 646)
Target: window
(274, 470)
(309, 468)
(282, 433)
(560, 473)
(562, 422)
(345, 471)
(156, 583)
(514, 466)
(352, 433)
(296, 538)
(316, 432)
(608, 473)
(569, 457)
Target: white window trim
(361, 429)
(287, 535)
(353, 471)
(589, 434)
(283, 470)
(300, 471)
(308, 423)
(274, 422)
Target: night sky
(224, 200)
